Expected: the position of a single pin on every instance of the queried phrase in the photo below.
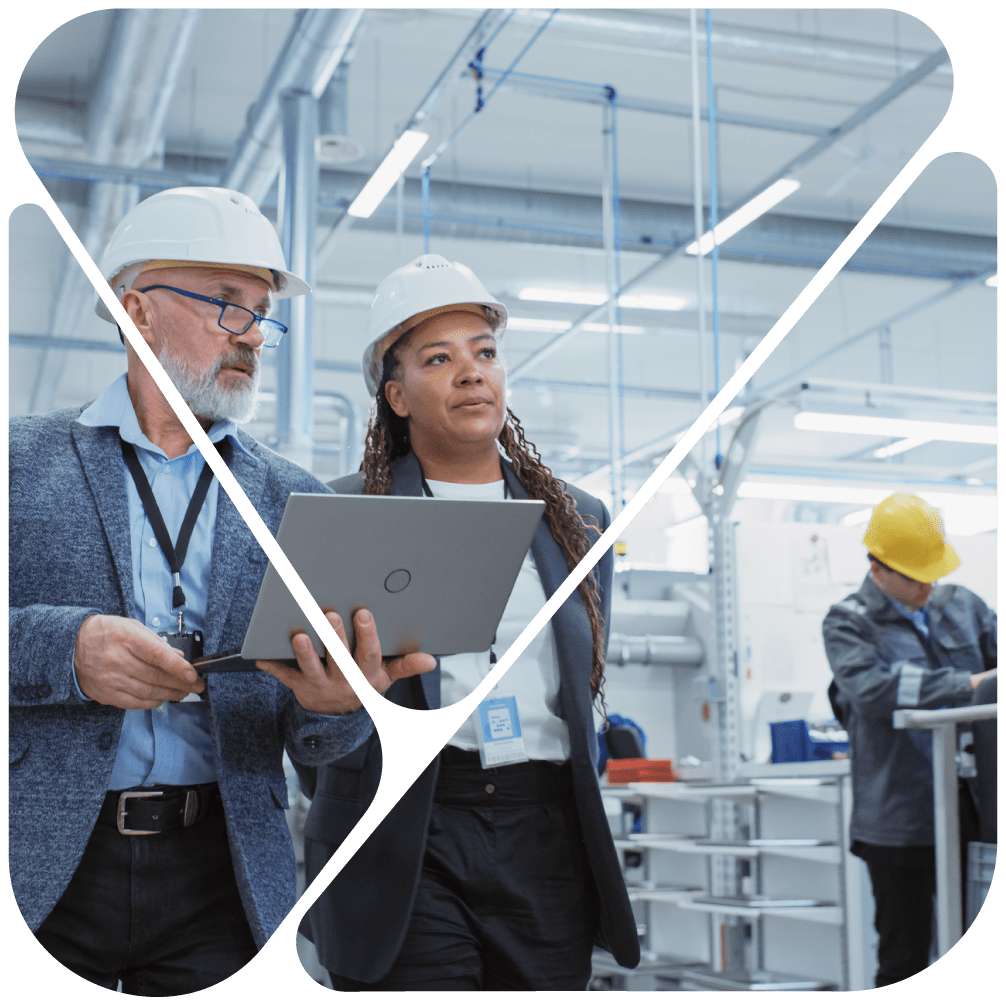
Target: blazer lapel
(101, 460)
(570, 623)
(232, 541)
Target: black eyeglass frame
(266, 325)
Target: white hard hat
(196, 226)
(427, 286)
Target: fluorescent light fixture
(860, 516)
(622, 329)
(653, 301)
(399, 158)
(969, 512)
(875, 425)
(563, 295)
(992, 280)
(748, 213)
(901, 446)
(595, 297)
(537, 325)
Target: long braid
(567, 526)
(388, 439)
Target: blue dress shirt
(171, 744)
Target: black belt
(153, 809)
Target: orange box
(639, 769)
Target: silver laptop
(435, 573)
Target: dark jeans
(160, 912)
(904, 884)
(506, 899)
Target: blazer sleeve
(313, 739)
(42, 643)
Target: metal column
(943, 722)
(949, 903)
(298, 216)
(608, 197)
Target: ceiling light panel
(876, 425)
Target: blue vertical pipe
(714, 218)
(617, 214)
(426, 209)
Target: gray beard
(207, 399)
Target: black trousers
(904, 884)
(506, 898)
(161, 912)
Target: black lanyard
(174, 554)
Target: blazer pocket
(332, 818)
(19, 746)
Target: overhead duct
(334, 145)
(317, 42)
(493, 213)
(125, 118)
(649, 31)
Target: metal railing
(943, 722)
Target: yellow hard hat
(907, 534)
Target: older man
(148, 839)
(901, 641)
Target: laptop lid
(435, 573)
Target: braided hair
(388, 439)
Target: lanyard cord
(174, 554)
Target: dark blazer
(358, 924)
(70, 558)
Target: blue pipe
(714, 212)
(435, 156)
(617, 213)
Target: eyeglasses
(234, 318)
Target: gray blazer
(359, 923)
(70, 558)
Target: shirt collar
(919, 616)
(113, 407)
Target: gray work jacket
(881, 662)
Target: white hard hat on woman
(193, 227)
(427, 286)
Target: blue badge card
(500, 739)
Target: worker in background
(498, 878)
(901, 641)
(148, 842)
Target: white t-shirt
(533, 680)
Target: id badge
(500, 738)
(191, 646)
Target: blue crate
(790, 741)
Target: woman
(480, 878)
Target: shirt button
(490, 788)
(152, 542)
(156, 621)
(162, 708)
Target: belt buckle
(120, 812)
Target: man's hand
(977, 678)
(322, 687)
(120, 662)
